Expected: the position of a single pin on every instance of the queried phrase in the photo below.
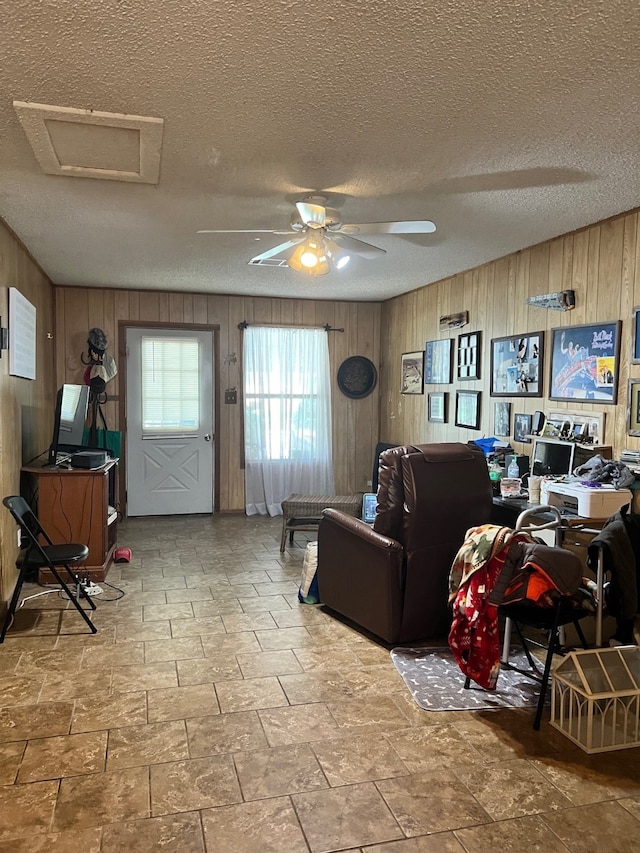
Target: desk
(75, 505)
(506, 512)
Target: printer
(588, 501)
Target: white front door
(169, 421)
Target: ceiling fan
(322, 242)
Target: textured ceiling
(506, 122)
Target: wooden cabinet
(78, 505)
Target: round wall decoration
(357, 377)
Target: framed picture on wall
(635, 342)
(502, 418)
(584, 362)
(412, 365)
(468, 409)
(633, 407)
(522, 427)
(469, 355)
(516, 365)
(437, 407)
(438, 362)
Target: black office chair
(37, 555)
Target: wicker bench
(303, 512)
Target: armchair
(392, 579)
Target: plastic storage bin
(595, 699)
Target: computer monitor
(552, 457)
(72, 403)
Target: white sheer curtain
(287, 416)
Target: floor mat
(436, 682)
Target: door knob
(207, 437)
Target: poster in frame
(522, 427)
(516, 365)
(438, 362)
(584, 362)
(468, 409)
(412, 365)
(437, 407)
(633, 407)
(635, 343)
(502, 418)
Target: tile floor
(212, 712)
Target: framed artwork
(412, 364)
(635, 343)
(469, 355)
(633, 408)
(516, 365)
(584, 362)
(502, 418)
(468, 409)
(522, 427)
(437, 362)
(437, 407)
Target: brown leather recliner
(392, 580)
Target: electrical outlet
(231, 395)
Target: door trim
(123, 325)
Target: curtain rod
(328, 328)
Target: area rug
(436, 682)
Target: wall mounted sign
(22, 335)
(454, 321)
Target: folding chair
(524, 613)
(44, 554)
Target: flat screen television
(72, 402)
(552, 457)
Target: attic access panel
(91, 144)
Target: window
(170, 385)
(287, 415)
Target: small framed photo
(633, 408)
(412, 365)
(635, 343)
(437, 407)
(584, 362)
(438, 362)
(502, 418)
(469, 355)
(522, 427)
(468, 409)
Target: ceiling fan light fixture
(310, 257)
(338, 257)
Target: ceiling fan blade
(243, 231)
(277, 250)
(357, 247)
(411, 226)
(311, 214)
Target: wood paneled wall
(355, 422)
(600, 263)
(26, 406)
